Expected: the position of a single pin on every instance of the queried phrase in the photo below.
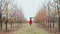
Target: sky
(30, 7)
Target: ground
(27, 29)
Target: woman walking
(30, 21)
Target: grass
(27, 29)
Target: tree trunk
(11, 24)
(0, 18)
(59, 23)
(50, 23)
(1, 25)
(6, 26)
(53, 22)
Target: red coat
(30, 22)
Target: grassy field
(27, 29)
